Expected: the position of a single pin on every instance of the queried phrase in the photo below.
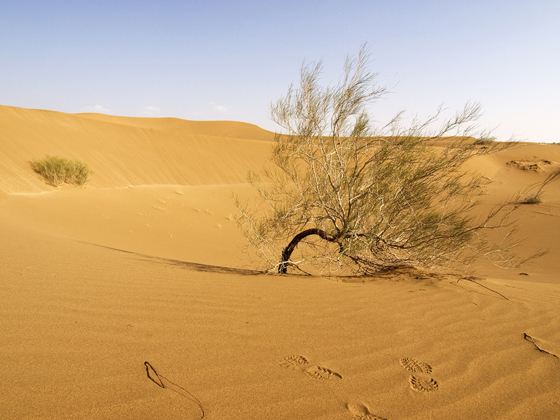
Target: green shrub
(484, 141)
(57, 171)
(529, 200)
(535, 197)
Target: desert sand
(145, 263)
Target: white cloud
(218, 108)
(99, 109)
(151, 111)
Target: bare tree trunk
(287, 252)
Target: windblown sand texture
(146, 264)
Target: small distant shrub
(535, 198)
(484, 141)
(57, 171)
(529, 200)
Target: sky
(229, 60)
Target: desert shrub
(57, 171)
(378, 198)
(529, 200)
(485, 141)
(535, 193)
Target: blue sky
(231, 59)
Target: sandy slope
(173, 221)
(128, 151)
(146, 264)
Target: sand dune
(128, 151)
(145, 263)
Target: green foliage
(57, 171)
(529, 200)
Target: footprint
(420, 384)
(318, 372)
(301, 363)
(361, 412)
(415, 366)
(295, 362)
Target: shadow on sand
(189, 265)
(403, 274)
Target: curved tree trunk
(287, 252)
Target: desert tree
(375, 196)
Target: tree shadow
(401, 274)
(189, 265)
